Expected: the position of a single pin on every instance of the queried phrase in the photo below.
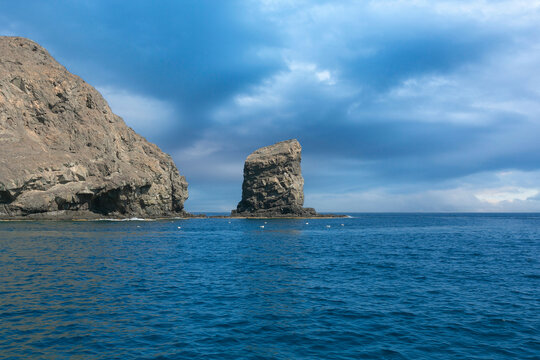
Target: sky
(409, 106)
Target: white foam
(128, 219)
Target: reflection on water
(381, 286)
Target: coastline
(318, 216)
(88, 216)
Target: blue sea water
(375, 286)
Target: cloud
(439, 102)
(146, 115)
(399, 105)
(433, 200)
(452, 200)
(379, 200)
(510, 194)
(487, 191)
(517, 12)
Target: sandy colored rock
(63, 151)
(273, 184)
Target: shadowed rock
(273, 184)
(63, 153)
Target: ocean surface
(374, 286)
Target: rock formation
(273, 184)
(64, 154)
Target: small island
(273, 185)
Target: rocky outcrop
(63, 153)
(273, 184)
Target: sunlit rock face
(273, 184)
(64, 153)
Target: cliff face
(64, 153)
(273, 184)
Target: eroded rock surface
(64, 153)
(273, 184)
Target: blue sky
(399, 105)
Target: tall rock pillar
(273, 184)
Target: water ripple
(393, 286)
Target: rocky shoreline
(316, 216)
(89, 216)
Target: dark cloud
(194, 53)
(386, 97)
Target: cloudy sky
(417, 105)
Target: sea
(370, 286)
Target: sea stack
(273, 184)
(64, 154)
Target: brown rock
(273, 184)
(64, 153)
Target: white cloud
(326, 77)
(494, 92)
(518, 12)
(460, 199)
(319, 33)
(148, 116)
(484, 192)
(200, 149)
(505, 84)
(308, 72)
(279, 96)
(299, 67)
(510, 194)
(382, 200)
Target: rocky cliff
(63, 153)
(273, 184)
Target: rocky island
(273, 184)
(64, 154)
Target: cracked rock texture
(273, 183)
(63, 153)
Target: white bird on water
(328, 226)
(262, 226)
(307, 223)
(179, 227)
